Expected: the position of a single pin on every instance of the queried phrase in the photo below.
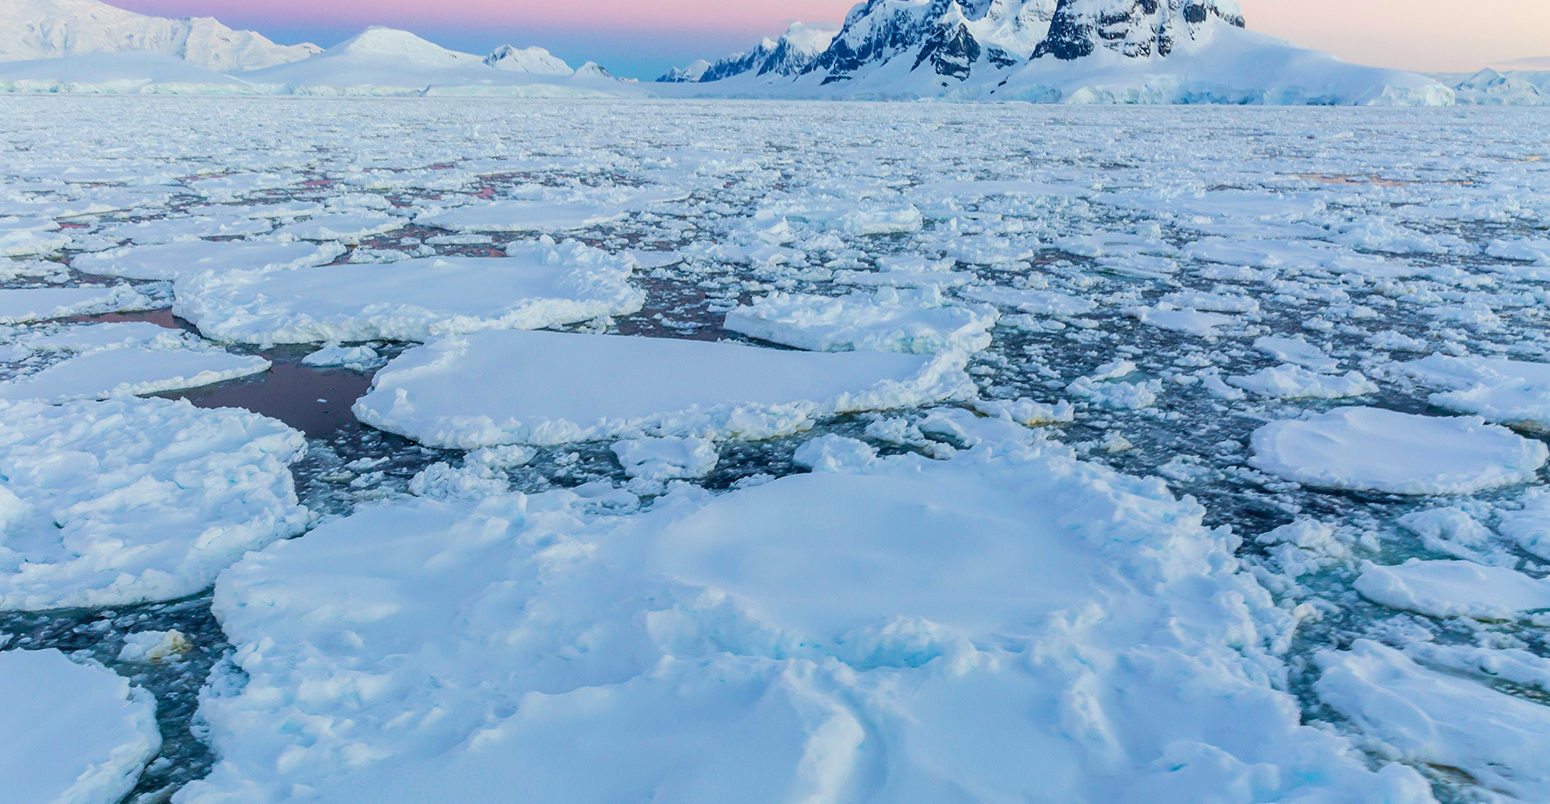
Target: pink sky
(1413, 34)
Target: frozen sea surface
(1293, 539)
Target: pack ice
(843, 636)
(491, 388)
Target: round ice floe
(1370, 449)
(536, 285)
(74, 733)
(991, 620)
(491, 388)
(137, 499)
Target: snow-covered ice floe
(1511, 392)
(21, 305)
(1371, 449)
(538, 284)
(1457, 589)
(75, 732)
(131, 500)
(917, 322)
(120, 359)
(840, 636)
(188, 257)
(493, 388)
(1440, 719)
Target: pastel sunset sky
(643, 39)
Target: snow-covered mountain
(44, 29)
(387, 61)
(531, 60)
(790, 55)
(1493, 88)
(1148, 51)
(1144, 28)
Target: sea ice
(188, 257)
(133, 500)
(491, 388)
(78, 733)
(21, 305)
(1288, 381)
(915, 322)
(1441, 720)
(537, 285)
(1004, 646)
(1511, 392)
(1455, 589)
(123, 359)
(1370, 449)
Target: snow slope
(1225, 65)
(116, 73)
(533, 60)
(42, 29)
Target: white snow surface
(916, 322)
(1371, 449)
(122, 359)
(724, 646)
(537, 284)
(188, 257)
(1511, 392)
(79, 733)
(1440, 719)
(490, 388)
(134, 500)
(47, 29)
(22, 305)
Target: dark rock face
(1134, 28)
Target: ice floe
(536, 285)
(491, 388)
(133, 500)
(1371, 449)
(21, 305)
(727, 648)
(187, 257)
(79, 732)
(917, 322)
(1438, 719)
(1511, 392)
(121, 359)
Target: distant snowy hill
(386, 61)
(1126, 51)
(1493, 88)
(531, 60)
(44, 29)
(790, 55)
